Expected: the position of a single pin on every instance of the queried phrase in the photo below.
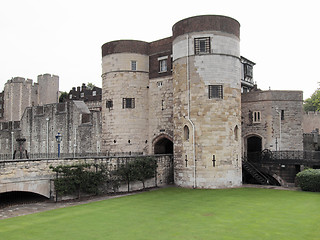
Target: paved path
(24, 209)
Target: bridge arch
(162, 144)
(41, 187)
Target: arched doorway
(254, 147)
(163, 145)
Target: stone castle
(20, 93)
(191, 95)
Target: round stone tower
(125, 67)
(207, 102)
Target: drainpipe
(12, 153)
(279, 112)
(47, 119)
(75, 143)
(188, 118)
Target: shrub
(309, 180)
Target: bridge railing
(32, 156)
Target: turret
(125, 76)
(207, 97)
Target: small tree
(144, 169)
(63, 96)
(90, 86)
(312, 103)
(125, 173)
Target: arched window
(186, 133)
(236, 130)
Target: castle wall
(125, 89)
(80, 128)
(270, 104)
(216, 120)
(311, 121)
(48, 89)
(9, 132)
(160, 109)
(19, 93)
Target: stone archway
(163, 145)
(254, 147)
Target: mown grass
(175, 213)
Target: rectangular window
(202, 45)
(256, 117)
(134, 65)
(248, 70)
(70, 96)
(109, 104)
(82, 95)
(128, 103)
(215, 91)
(94, 93)
(163, 65)
(282, 114)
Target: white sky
(64, 37)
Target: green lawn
(175, 213)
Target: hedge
(309, 180)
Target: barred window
(163, 65)
(134, 65)
(128, 103)
(202, 45)
(215, 91)
(109, 104)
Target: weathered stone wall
(125, 129)
(80, 128)
(9, 132)
(48, 89)
(36, 175)
(160, 109)
(216, 121)
(270, 104)
(20, 93)
(311, 122)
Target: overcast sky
(64, 37)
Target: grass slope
(175, 213)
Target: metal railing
(267, 156)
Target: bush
(86, 178)
(309, 180)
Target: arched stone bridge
(36, 176)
